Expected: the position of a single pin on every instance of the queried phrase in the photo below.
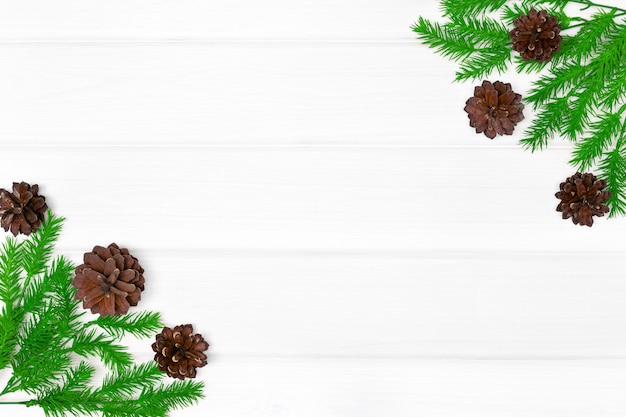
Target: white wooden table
(301, 184)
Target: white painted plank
(462, 305)
(267, 387)
(404, 388)
(243, 94)
(213, 20)
(321, 198)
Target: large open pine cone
(23, 210)
(582, 197)
(494, 109)
(536, 36)
(179, 352)
(110, 281)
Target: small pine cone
(494, 109)
(179, 352)
(536, 36)
(23, 210)
(582, 197)
(110, 281)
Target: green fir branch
(141, 324)
(590, 37)
(38, 250)
(547, 123)
(91, 343)
(602, 134)
(561, 82)
(613, 168)
(125, 382)
(613, 93)
(10, 292)
(138, 391)
(479, 66)
(178, 394)
(445, 40)
(470, 8)
(482, 33)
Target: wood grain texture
(300, 182)
(231, 94)
(78, 20)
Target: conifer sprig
(43, 331)
(134, 392)
(141, 324)
(580, 95)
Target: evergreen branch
(540, 4)
(470, 8)
(40, 288)
(529, 67)
(443, 39)
(132, 392)
(549, 120)
(37, 250)
(7, 335)
(10, 291)
(176, 395)
(483, 33)
(589, 3)
(141, 324)
(613, 169)
(40, 358)
(579, 117)
(90, 343)
(590, 37)
(560, 82)
(614, 93)
(480, 65)
(126, 382)
(10, 281)
(602, 135)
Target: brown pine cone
(494, 109)
(110, 281)
(536, 36)
(582, 197)
(179, 352)
(23, 210)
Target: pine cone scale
(102, 252)
(124, 286)
(110, 267)
(94, 261)
(127, 276)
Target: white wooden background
(300, 182)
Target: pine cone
(23, 210)
(582, 197)
(536, 36)
(110, 281)
(494, 109)
(179, 352)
